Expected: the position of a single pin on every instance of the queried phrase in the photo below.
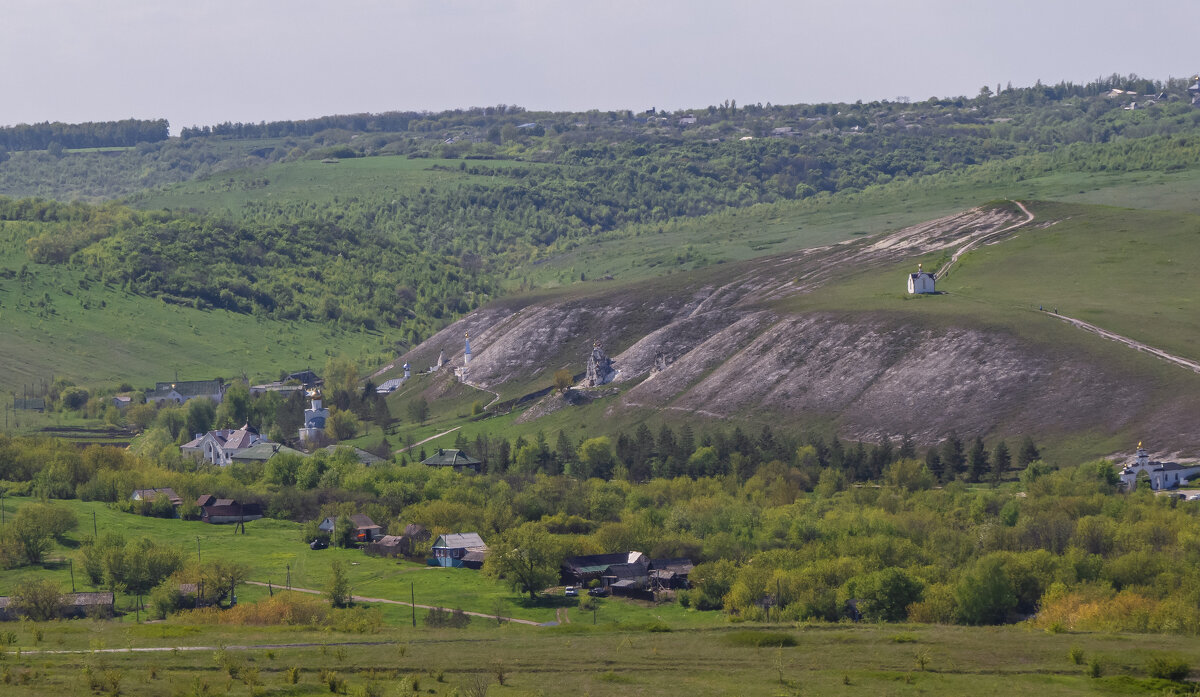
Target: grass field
(56, 323)
(314, 181)
(579, 659)
(778, 228)
(270, 548)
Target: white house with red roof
(219, 447)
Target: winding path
(979, 240)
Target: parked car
(570, 591)
(598, 592)
(318, 543)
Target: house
(388, 546)
(152, 494)
(579, 571)
(219, 447)
(73, 605)
(921, 281)
(1162, 475)
(180, 392)
(452, 457)
(399, 545)
(365, 529)
(688, 120)
(389, 386)
(459, 549)
(631, 579)
(88, 604)
(630, 574)
(220, 511)
(305, 377)
(670, 573)
(122, 401)
(282, 388)
(263, 451)
(364, 457)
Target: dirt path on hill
(364, 599)
(423, 442)
(980, 240)
(1131, 343)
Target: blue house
(457, 549)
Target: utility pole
(95, 533)
(289, 576)
(197, 548)
(413, 597)
(72, 563)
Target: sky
(211, 61)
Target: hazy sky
(208, 61)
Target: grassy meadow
(270, 547)
(57, 322)
(766, 660)
(314, 181)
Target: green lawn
(270, 547)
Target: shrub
(1075, 654)
(1168, 668)
(760, 639)
(1095, 669)
(285, 607)
(441, 617)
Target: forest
(107, 134)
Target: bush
(1168, 668)
(1075, 654)
(165, 599)
(760, 639)
(440, 617)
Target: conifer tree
(954, 461)
(1001, 460)
(977, 463)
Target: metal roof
(460, 540)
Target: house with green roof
(263, 451)
(453, 457)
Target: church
(1163, 475)
(921, 281)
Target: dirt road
(980, 240)
(443, 433)
(1131, 343)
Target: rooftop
(450, 457)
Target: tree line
(101, 134)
